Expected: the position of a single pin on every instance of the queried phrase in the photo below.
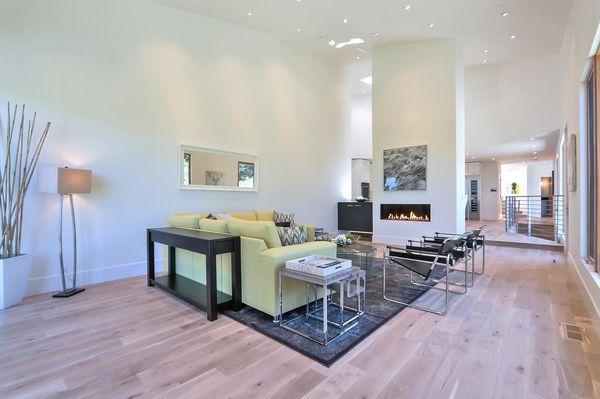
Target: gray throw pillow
(292, 235)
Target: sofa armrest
(276, 257)
(273, 259)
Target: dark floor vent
(572, 332)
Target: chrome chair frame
(431, 249)
(436, 260)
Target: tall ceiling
(478, 25)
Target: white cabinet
(472, 168)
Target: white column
(418, 99)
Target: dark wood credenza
(355, 216)
(203, 296)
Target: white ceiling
(476, 24)
(528, 149)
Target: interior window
(187, 169)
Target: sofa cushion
(185, 220)
(215, 226)
(265, 216)
(265, 231)
(244, 215)
(292, 235)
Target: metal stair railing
(535, 216)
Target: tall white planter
(14, 275)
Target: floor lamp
(66, 182)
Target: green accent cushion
(266, 216)
(244, 215)
(265, 231)
(185, 220)
(215, 226)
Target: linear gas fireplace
(406, 212)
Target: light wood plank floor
(123, 339)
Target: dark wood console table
(203, 296)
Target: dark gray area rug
(377, 312)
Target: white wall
(361, 126)
(577, 46)
(490, 200)
(125, 81)
(415, 102)
(512, 101)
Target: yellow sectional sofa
(262, 256)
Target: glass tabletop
(356, 248)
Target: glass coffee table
(360, 254)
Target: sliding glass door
(592, 173)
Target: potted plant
(514, 188)
(20, 149)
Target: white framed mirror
(210, 169)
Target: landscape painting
(405, 168)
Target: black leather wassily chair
(423, 265)
(475, 243)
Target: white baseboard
(590, 281)
(41, 285)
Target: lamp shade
(56, 180)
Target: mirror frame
(181, 150)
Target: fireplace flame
(410, 217)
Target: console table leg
(171, 260)
(236, 271)
(150, 258)
(211, 286)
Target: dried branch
(15, 176)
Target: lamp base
(68, 293)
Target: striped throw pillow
(292, 235)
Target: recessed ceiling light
(431, 25)
(505, 13)
(368, 80)
(493, 159)
(407, 7)
(513, 37)
(532, 138)
(535, 153)
(485, 51)
(345, 20)
(299, 29)
(485, 61)
(356, 40)
(473, 157)
(358, 57)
